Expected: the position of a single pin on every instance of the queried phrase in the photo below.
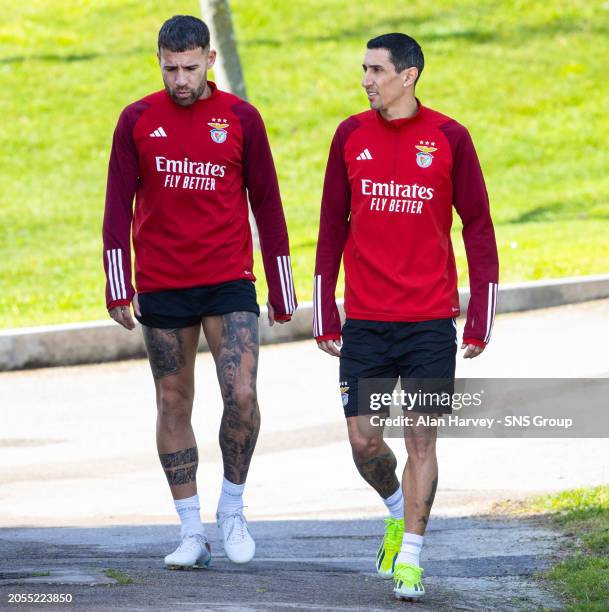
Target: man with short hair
(393, 175)
(191, 155)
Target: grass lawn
(582, 579)
(526, 78)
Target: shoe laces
(235, 525)
(192, 542)
(393, 532)
(408, 573)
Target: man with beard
(191, 156)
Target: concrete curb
(100, 341)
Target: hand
(332, 347)
(122, 314)
(471, 350)
(271, 313)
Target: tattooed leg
(171, 353)
(233, 340)
(374, 460)
(420, 479)
(180, 467)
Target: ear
(211, 58)
(409, 76)
(158, 57)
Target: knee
(364, 447)
(174, 405)
(243, 397)
(420, 449)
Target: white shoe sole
(413, 597)
(197, 565)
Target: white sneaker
(193, 551)
(238, 542)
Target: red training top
(387, 202)
(191, 170)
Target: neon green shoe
(407, 581)
(390, 547)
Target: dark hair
(404, 51)
(183, 33)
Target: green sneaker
(407, 580)
(390, 547)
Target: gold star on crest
(218, 124)
(426, 146)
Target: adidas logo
(365, 154)
(158, 133)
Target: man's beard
(191, 99)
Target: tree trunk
(227, 70)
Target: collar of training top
(396, 124)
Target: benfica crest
(344, 393)
(424, 156)
(218, 131)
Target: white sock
(411, 549)
(189, 512)
(231, 497)
(395, 504)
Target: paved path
(472, 564)
(77, 449)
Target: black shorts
(388, 350)
(186, 307)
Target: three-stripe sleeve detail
(116, 276)
(287, 284)
(490, 310)
(318, 328)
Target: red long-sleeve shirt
(387, 204)
(191, 170)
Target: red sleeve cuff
(116, 303)
(474, 341)
(284, 317)
(327, 337)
